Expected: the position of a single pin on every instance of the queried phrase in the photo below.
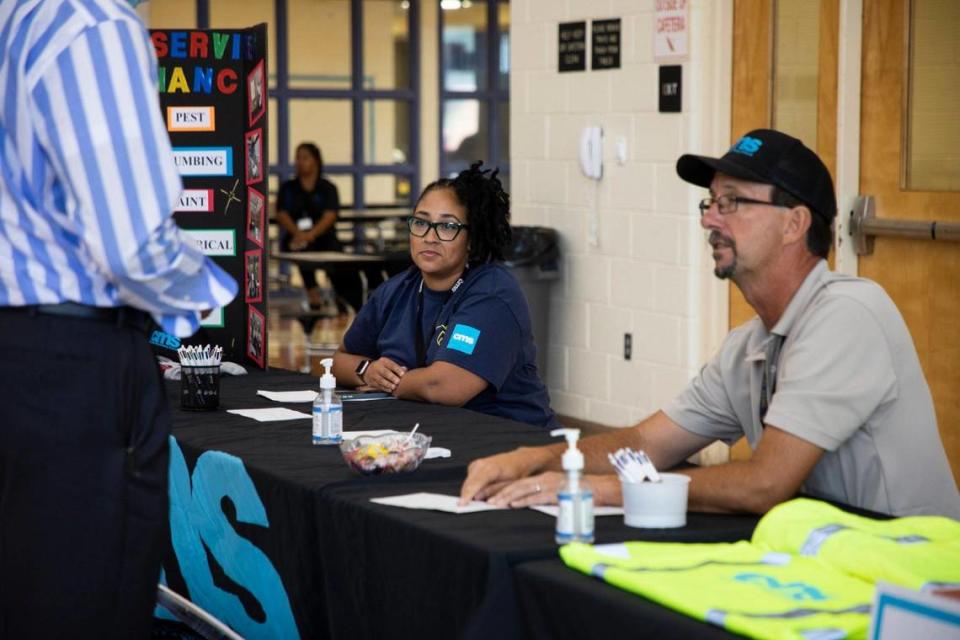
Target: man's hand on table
(486, 477)
(543, 489)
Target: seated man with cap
(824, 383)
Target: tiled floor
(291, 348)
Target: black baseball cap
(769, 157)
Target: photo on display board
(256, 335)
(256, 100)
(256, 220)
(253, 275)
(253, 145)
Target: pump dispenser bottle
(575, 499)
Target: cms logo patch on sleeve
(463, 338)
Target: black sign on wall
(213, 96)
(605, 44)
(572, 46)
(671, 98)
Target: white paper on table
(288, 396)
(437, 452)
(271, 415)
(551, 510)
(435, 502)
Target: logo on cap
(747, 146)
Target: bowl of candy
(393, 453)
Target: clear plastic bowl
(394, 453)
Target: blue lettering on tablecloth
(197, 519)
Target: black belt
(119, 316)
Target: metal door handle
(865, 226)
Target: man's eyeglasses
(446, 231)
(728, 204)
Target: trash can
(534, 259)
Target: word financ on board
(200, 46)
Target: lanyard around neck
(419, 339)
(768, 386)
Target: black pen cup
(199, 388)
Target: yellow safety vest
(917, 552)
(808, 573)
(739, 587)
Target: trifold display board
(212, 87)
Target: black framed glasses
(728, 204)
(446, 231)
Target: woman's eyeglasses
(446, 231)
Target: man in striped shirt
(88, 250)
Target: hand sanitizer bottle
(575, 499)
(327, 409)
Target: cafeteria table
(278, 538)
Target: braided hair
(481, 193)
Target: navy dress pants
(84, 428)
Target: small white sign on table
(905, 613)
(671, 26)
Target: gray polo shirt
(847, 380)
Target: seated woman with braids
(454, 328)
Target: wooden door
(755, 81)
(755, 95)
(922, 277)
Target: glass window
(464, 133)
(796, 69)
(386, 45)
(387, 189)
(172, 14)
(386, 132)
(273, 155)
(933, 129)
(229, 14)
(464, 42)
(318, 43)
(503, 73)
(503, 133)
(322, 92)
(344, 184)
(327, 123)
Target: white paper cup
(656, 505)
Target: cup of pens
(651, 500)
(200, 377)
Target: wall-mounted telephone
(591, 152)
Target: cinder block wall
(649, 274)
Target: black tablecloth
(291, 477)
(557, 602)
(446, 575)
(283, 450)
(355, 569)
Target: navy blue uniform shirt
(483, 327)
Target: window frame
(492, 96)
(357, 94)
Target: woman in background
(307, 209)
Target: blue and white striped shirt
(87, 179)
